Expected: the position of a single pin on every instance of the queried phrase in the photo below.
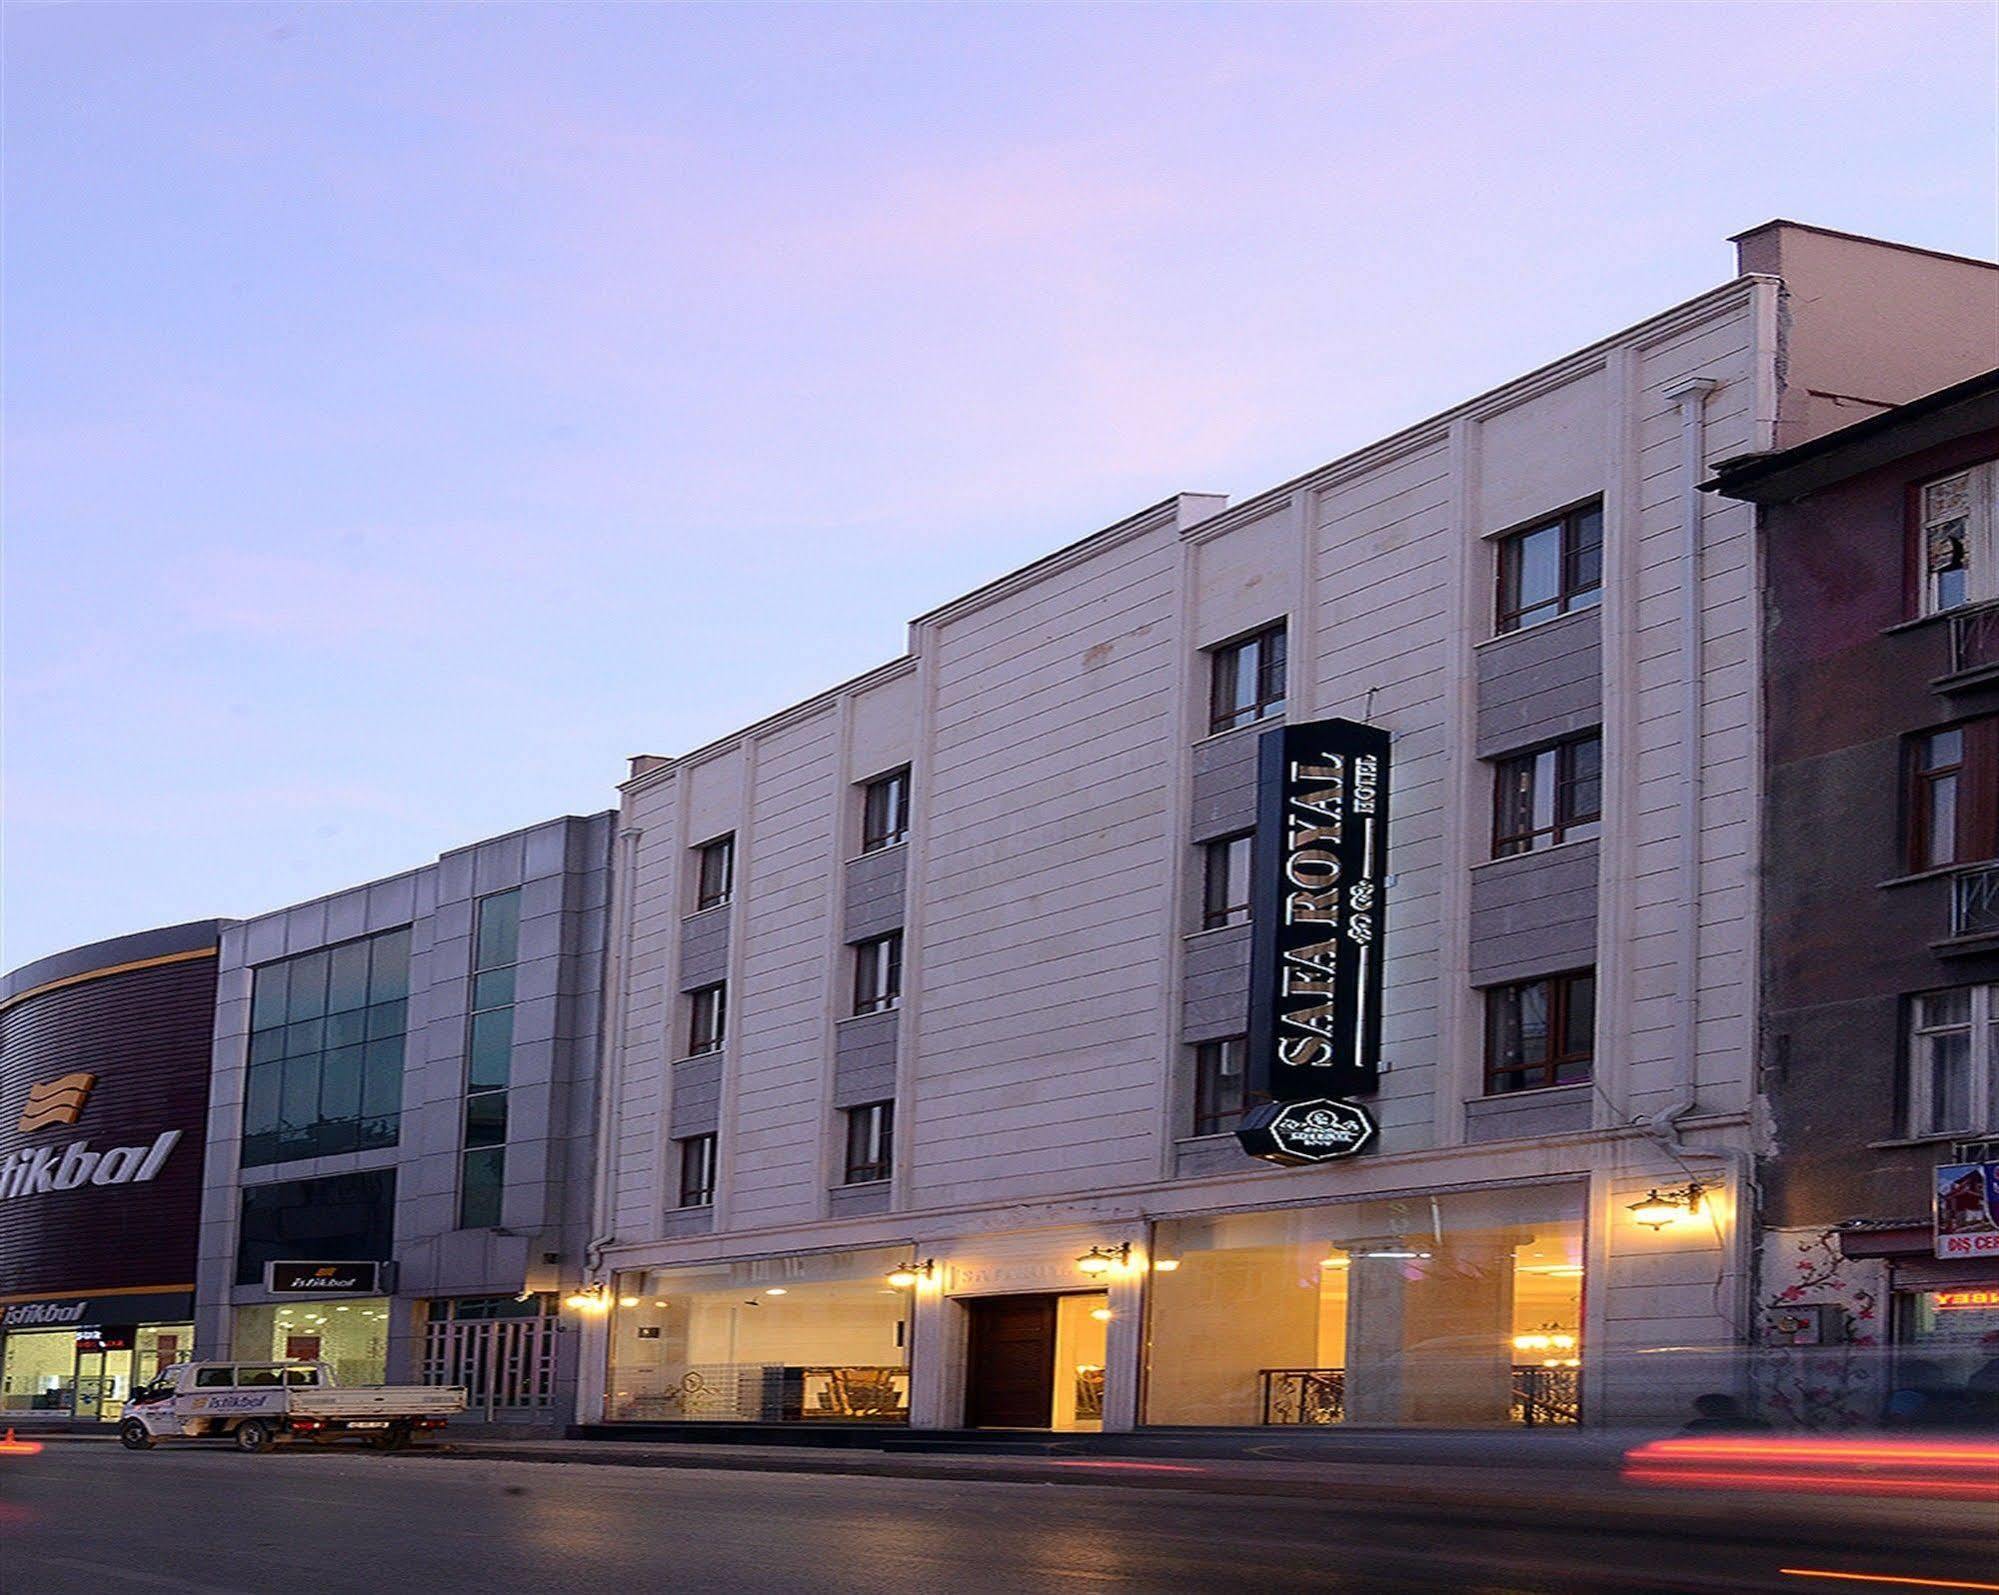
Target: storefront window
(815, 1339)
(351, 1335)
(1946, 1367)
(38, 1372)
(1451, 1310)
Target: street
(90, 1518)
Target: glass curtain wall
(1458, 1310)
(326, 1051)
(816, 1339)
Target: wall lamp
(589, 1299)
(1102, 1259)
(1661, 1208)
(912, 1273)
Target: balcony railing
(1974, 639)
(1974, 902)
(1540, 1395)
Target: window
(1225, 882)
(885, 811)
(338, 1215)
(697, 1171)
(1554, 794)
(1248, 680)
(489, 1053)
(1550, 569)
(706, 1009)
(1540, 1032)
(326, 1051)
(1954, 1061)
(1218, 1077)
(878, 973)
(214, 1378)
(1954, 795)
(870, 1142)
(715, 872)
(1955, 539)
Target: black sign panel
(1320, 866)
(1305, 1132)
(324, 1279)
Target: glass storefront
(1946, 1365)
(1461, 1309)
(57, 1373)
(813, 1339)
(351, 1335)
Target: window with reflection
(1462, 1310)
(1551, 569)
(1540, 1032)
(815, 1338)
(326, 1051)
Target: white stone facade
(1055, 725)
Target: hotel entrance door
(1036, 1362)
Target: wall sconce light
(910, 1274)
(1102, 1259)
(1661, 1208)
(589, 1299)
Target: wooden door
(1010, 1374)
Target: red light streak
(1966, 1470)
(1885, 1578)
(20, 1448)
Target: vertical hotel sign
(1320, 871)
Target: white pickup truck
(257, 1404)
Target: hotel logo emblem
(56, 1102)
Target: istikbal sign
(35, 1171)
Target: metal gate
(505, 1364)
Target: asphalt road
(93, 1520)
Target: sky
(411, 412)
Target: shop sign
(34, 1171)
(111, 1337)
(1967, 1210)
(325, 1279)
(1305, 1132)
(89, 1312)
(1946, 1300)
(1320, 871)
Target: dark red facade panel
(144, 1037)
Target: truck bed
(379, 1401)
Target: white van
(257, 1404)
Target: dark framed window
(1246, 683)
(697, 1170)
(878, 973)
(1550, 569)
(714, 872)
(348, 1216)
(1218, 1078)
(326, 1051)
(1540, 1032)
(707, 1012)
(1225, 881)
(885, 811)
(1553, 794)
(489, 1055)
(870, 1142)
(1953, 801)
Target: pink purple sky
(412, 411)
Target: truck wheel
(253, 1435)
(132, 1436)
(395, 1439)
